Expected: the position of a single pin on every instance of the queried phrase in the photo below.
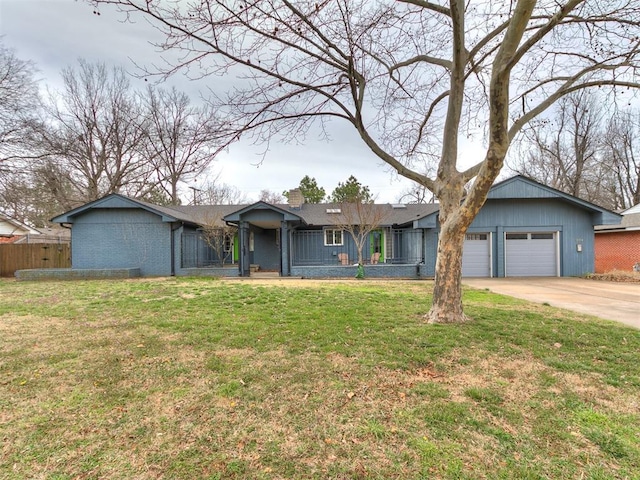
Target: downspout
(68, 226)
(173, 247)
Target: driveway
(609, 300)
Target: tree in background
(564, 151)
(217, 193)
(19, 104)
(585, 151)
(416, 194)
(96, 136)
(182, 138)
(96, 130)
(622, 159)
(351, 191)
(412, 77)
(311, 192)
(19, 110)
(270, 197)
(36, 195)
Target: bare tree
(182, 138)
(573, 152)
(622, 159)
(19, 104)
(35, 194)
(219, 237)
(219, 193)
(416, 194)
(411, 76)
(270, 197)
(564, 150)
(359, 219)
(96, 131)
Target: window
(332, 237)
(228, 243)
(476, 236)
(529, 236)
(517, 236)
(542, 236)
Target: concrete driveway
(609, 300)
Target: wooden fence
(33, 255)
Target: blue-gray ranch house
(524, 229)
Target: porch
(309, 253)
(384, 247)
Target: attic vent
(398, 205)
(334, 210)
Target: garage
(531, 254)
(476, 255)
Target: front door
(376, 246)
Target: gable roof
(12, 227)
(418, 215)
(521, 187)
(288, 214)
(309, 213)
(116, 200)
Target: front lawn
(213, 379)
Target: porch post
(284, 249)
(244, 263)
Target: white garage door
(476, 255)
(531, 254)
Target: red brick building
(617, 247)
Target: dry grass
(136, 380)
(616, 276)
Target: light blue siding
(430, 251)
(117, 232)
(308, 248)
(518, 188)
(266, 251)
(574, 223)
(121, 238)
(535, 215)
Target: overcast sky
(56, 33)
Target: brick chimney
(296, 199)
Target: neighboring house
(524, 229)
(617, 247)
(11, 230)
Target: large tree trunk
(447, 290)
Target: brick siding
(76, 274)
(208, 272)
(370, 271)
(617, 251)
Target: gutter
(612, 230)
